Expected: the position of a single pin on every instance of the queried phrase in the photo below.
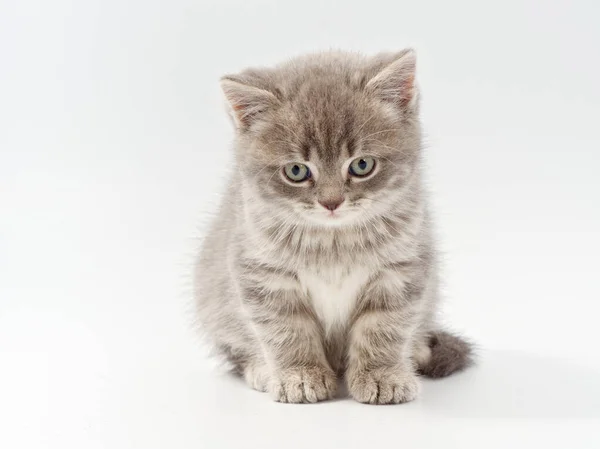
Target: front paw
(304, 384)
(383, 386)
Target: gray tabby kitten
(321, 263)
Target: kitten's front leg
(380, 369)
(291, 341)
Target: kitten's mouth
(332, 218)
(342, 216)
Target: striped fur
(296, 296)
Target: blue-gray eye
(296, 172)
(361, 166)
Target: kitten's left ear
(248, 98)
(395, 82)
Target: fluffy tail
(447, 354)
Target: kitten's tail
(447, 354)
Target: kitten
(321, 263)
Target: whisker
(381, 132)
(363, 125)
(287, 128)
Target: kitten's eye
(296, 172)
(361, 166)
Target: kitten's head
(329, 139)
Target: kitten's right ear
(394, 80)
(246, 102)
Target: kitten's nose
(332, 204)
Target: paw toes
(384, 388)
(386, 393)
(311, 393)
(304, 385)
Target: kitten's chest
(334, 291)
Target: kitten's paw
(383, 386)
(304, 384)
(257, 376)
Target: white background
(113, 149)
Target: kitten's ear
(246, 100)
(395, 79)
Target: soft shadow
(502, 384)
(507, 384)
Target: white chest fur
(333, 291)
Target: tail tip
(449, 354)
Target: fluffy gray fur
(296, 295)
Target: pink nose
(332, 204)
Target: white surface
(113, 146)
